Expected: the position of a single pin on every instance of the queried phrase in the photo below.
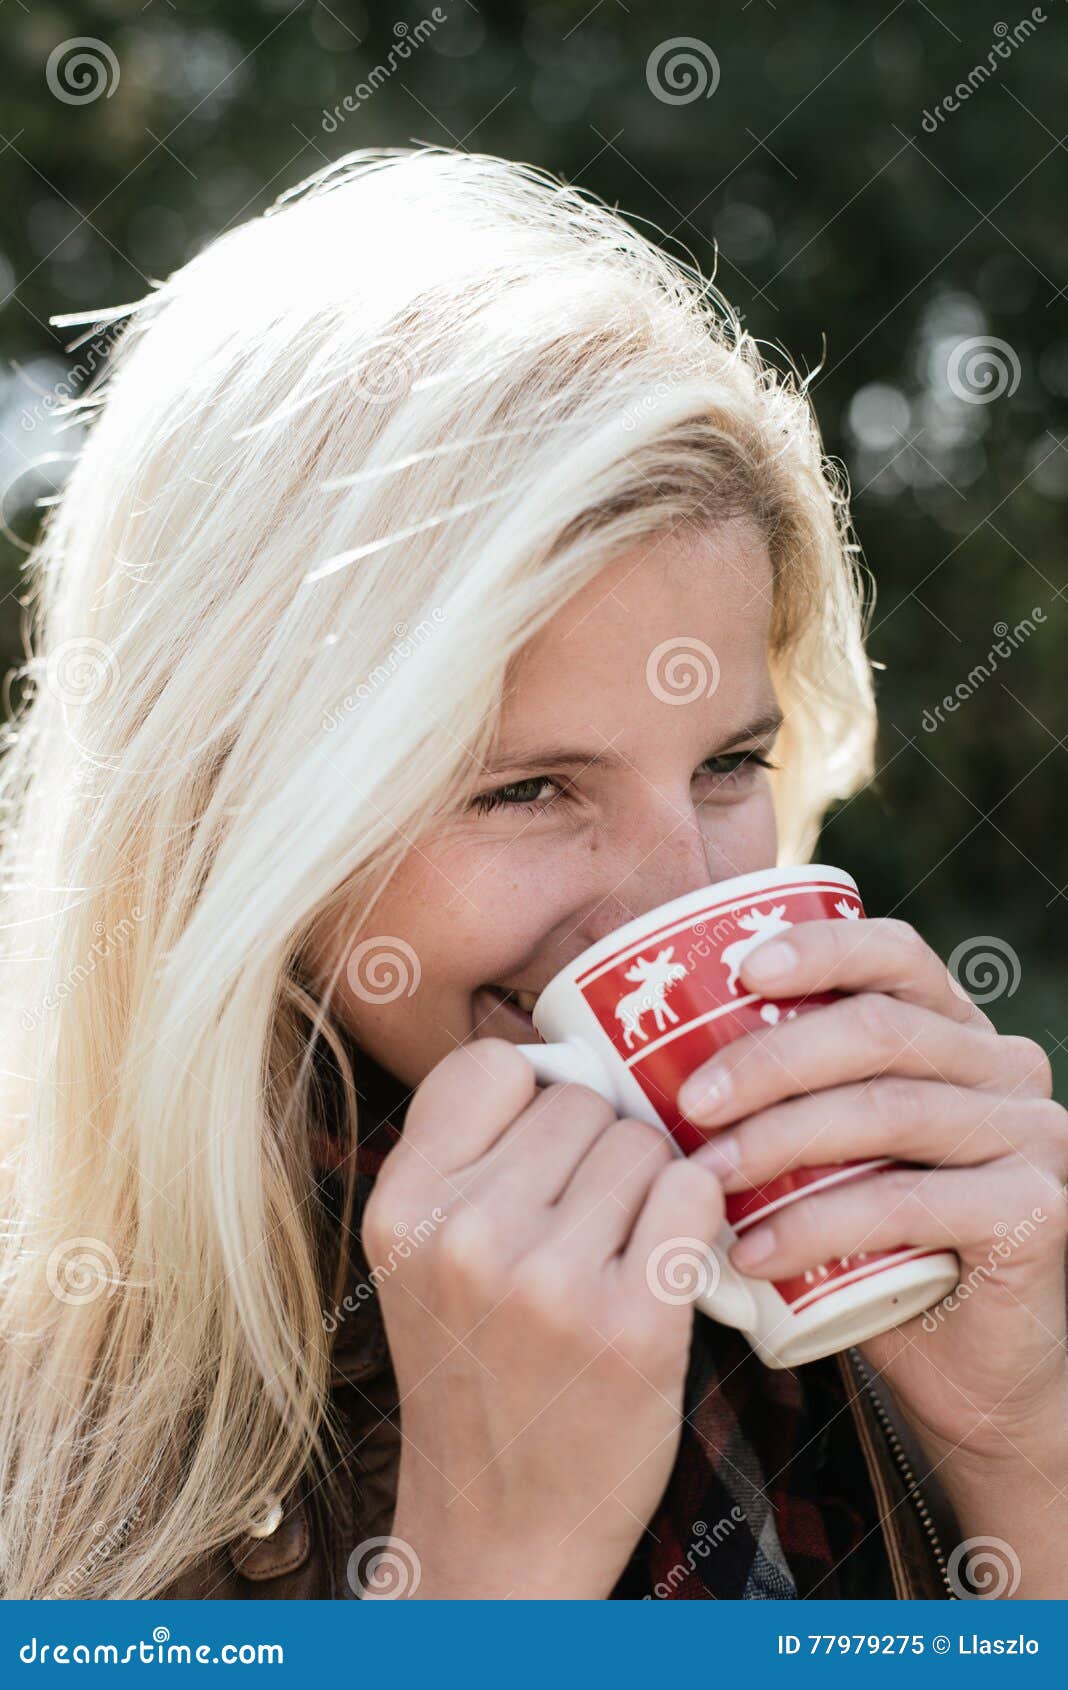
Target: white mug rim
(632, 931)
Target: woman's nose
(655, 863)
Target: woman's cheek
(741, 837)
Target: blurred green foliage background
(882, 186)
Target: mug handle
(571, 1060)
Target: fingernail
(702, 1097)
(770, 960)
(755, 1247)
(721, 1155)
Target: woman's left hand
(904, 1064)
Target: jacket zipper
(905, 1468)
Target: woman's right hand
(540, 1376)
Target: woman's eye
(737, 765)
(730, 768)
(503, 797)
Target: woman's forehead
(711, 598)
(721, 571)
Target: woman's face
(654, 679)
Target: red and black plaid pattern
(769, 1496)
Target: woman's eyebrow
(566, 757)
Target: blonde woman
(338, 742)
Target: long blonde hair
(344, 464)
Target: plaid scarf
(769, 1496)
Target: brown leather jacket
(306, 1555)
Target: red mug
(638, 1012)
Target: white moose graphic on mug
(654, 980)
(759, 925)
